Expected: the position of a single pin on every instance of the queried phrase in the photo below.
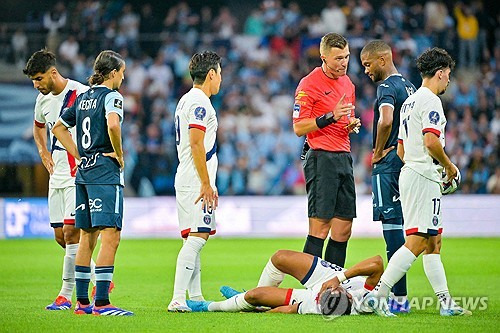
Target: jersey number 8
(86, 139)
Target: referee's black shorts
(330, 184)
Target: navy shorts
(99, 206)
(330, 185)
(386, 202)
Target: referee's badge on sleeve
(296, 110)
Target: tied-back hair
(40, 62)
(105, 63)
(432, 60)
(201, 64)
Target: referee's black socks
(336, 252)
(314, 246)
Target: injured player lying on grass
(330, 289)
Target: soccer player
(324, 112)
(57, 93)
(376, 57)
(196, 194)
(313, 273)
(97, 115)
(421, 148)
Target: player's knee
(253, 296)
(378, 262)
(280, 257)
(60, 240)
(71, 234)
(341, 235)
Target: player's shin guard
(194, 287)
(399, 264)
(335, 252)
(434, 270)
(68, 275)
(271, 276)
(314, 246)
(104, 276)
(394, 239)
(234, 304)
(82, 278)
(186, 261)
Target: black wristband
(325, 120)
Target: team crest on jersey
(435, 221)
(200, 113)
(207, 219)
(434, 117)
(296, 110)
(118, 103)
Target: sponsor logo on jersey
(434, 117)
(300, 94)
(118, 103)
(200, 113)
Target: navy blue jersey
(392, 91)
(89, 115)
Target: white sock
(434, 270)
(92, 271)
(194, 287)
(234, 304)
(186, 262)
(68, 275)
(271, 276)
(399, 264)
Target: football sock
(399, 264)
(194, 287)
(335, 252)
(82, 278)
(233, 304)
(186, 261)
(271, 276)
(104, 276)
(92, 271)
(434, 270)
(394, 239)
(314, 246)
(68, 275)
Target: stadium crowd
(264, 57)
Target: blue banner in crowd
(27, 218)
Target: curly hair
(432, 60)
(40, 62)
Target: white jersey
(194, 110)
(48, 108)
(422, 112)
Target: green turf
(30, 273)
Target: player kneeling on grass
(330, 289)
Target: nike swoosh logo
(45, 114)
(388, 210)
(72, 214)
(328, 92)
(190, 269)
(394, 198)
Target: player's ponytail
(105, 63)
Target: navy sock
(103, 277)
(314, 246)
(394, 239)
(82, 278)
(335, 252)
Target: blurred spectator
(53, 21)
(19, 43)
(334, 18)
(68, 50)
(467, 30)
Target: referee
(324, 112)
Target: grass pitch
(30, 277)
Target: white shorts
(320, 272)
(192, 218)
(421, 203)
(62, 206)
